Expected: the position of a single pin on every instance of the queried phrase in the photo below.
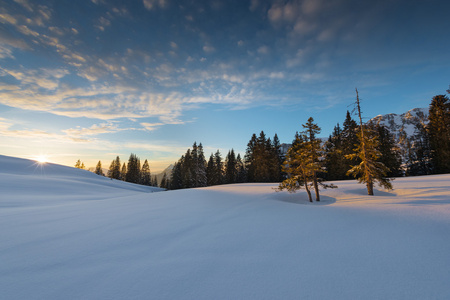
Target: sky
(92, 80)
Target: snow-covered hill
(103, 239)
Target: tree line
(366, 151)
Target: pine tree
(163, 183)
(111, 169)
(439, 133)
(276, 159)
(98, 169)
(218, 172)
(241, 170)
(313, 151)
(370, 169)
(123, 173)
(201, 161)
(335, 164)
(116, 169)
(230, 167)
(176, 181)
(390, 153)
(133, 169)
(145, 174)
(250, 159)
(297, 167)
(79, 164)
(349, 142)
(419, 152)
(210, 171)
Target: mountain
(167, 171)
(403, 125)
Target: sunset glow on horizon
(94, 79)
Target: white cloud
(151, 126)
(208, 48)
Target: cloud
(151, 126)
(95, 129)
(150, 4)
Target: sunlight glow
(42, 159)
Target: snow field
(119, 241)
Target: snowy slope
(240, 241)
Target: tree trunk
(316, 187)
(307, 190)
(370, 187)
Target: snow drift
(70, 234)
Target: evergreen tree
(133, 169)
(276, 160)
(241, 170)
(349, 141)
(123, 173)
(98, 169)
(439, 133)
(390, 153)
(111, 169)
(218, 172)
(370, 169)
(230, 167)
(146, 178)
(335, 164)
(201, 167)
(419, 152)
(313, 151)
(116, 169)
(249, 158)
(210, 171)
(163, 183)
(176, 181)
(79, 164)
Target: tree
(370, 169)
(230, 167)
(439, 133)
(218, 170)
(210, 171)
(313, 151)
(98, 169)
(79, 165)
(176, 181)
(145, 174)
(114, 169)
(390, 152)
(133, 169)
(302, 162)
(163, 183)
(123, 173)
(241, 170)
(335, 163)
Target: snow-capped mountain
(404, 124)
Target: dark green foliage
(419, 153)
(146, 178)
(163, 183)
(439, 133)
(336, 165)
(210, 170)
(98, 169)
(176, 181)
(390, 153)
(241, 170)
(133, 169)
(230, 167)
(114, 169)
(262, 159)
(123, 173)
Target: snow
(70, 234)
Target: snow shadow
(302, 198)
(426, 202)
(376, 192)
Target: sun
(42, 159)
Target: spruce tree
(98, 169)
(313, 151)
(439, 133)
(176, 181)
(123, 173)
(370, 169)
(218, 170)
(111, 170)
(133, 169)
(163, 183)
(335, 163)
(116, 169)
(241, 170)
(210, 171)
(146, 178)
(78, 164)
(390, 153)
(230, 167)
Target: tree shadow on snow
(376, 192)
(302, 198)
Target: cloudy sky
(94, 79)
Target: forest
(367, 151)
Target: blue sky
(94, 79)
